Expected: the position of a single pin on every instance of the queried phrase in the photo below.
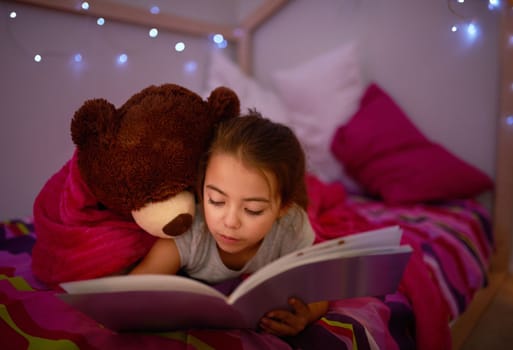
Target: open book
(364, 264)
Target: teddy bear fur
(132, 178)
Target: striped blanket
(452, 245)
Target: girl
(254, 198)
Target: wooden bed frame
(242, 34)
(503, 196)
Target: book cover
(365, 264)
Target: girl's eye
(254, 212)
(215, 203)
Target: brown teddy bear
(134, 168)
(142, 159)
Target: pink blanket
(328, 212)
(75, 238)
(444, 271)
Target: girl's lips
(228, 239)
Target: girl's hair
(263, 144)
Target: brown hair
(263, 144)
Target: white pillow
(322, 94)
(224, 72)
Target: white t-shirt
(200, 258)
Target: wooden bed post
(248, 26)
(245, 52)
(503, 204)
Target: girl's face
(240, 205)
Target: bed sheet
(452, 245)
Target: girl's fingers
(287, 323)
(276, 327)
(300, 308)
(283, 322)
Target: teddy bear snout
(178, 225)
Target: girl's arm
(163, 258)
(290, 323)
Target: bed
(458, 260)
(452, 245)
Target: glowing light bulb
(493, 4)
(461, 1)
(122, 59)
(38, 58)
(77, 58)
(100, 21)
(153, 32)
(472, 30)
(12, 14)
(454, 28)
(218, 38)
(155, 10)
(180, 46)
(509, 120)
(85, 5)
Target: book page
(387, 236)
(359, 244)
(133, 283)
(251, 283)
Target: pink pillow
(384, 151)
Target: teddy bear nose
(178, 225)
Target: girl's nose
(231, 219)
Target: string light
(220, 41)
(471, 28)
(179, 46)
(218, 38)
(122, 59)
(153, 33)
(494, 4)
(77, 59)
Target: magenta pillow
(384, 151)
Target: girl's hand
(289, 323)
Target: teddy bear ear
(93, 121)
(224, 103)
